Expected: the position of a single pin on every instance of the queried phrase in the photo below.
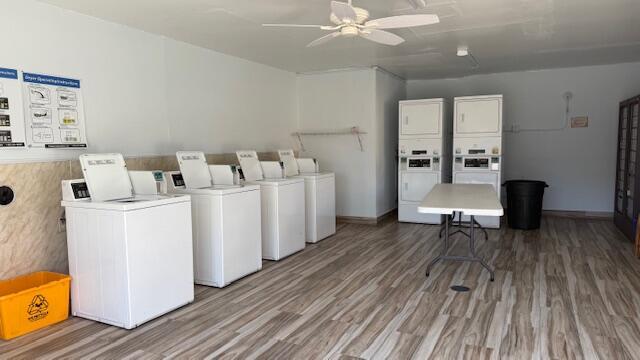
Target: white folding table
(467, 199)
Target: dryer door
(421, 119)
(478, 116)
(416, 185)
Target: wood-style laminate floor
(568, 291)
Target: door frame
(620, 219)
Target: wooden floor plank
(569, 290)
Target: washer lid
(132, 204)
(250, 165)
(194, 169)
(221, 174)
(307, 165)
(290, 163)
(279, 182)
(106, 176)
(317, 176)
(143, 182)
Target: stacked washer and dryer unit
(424, 155)
(478, 145)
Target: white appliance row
(138, 240)
(437, 147)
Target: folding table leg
(445, 249)
(486, 234)
(472, 247)
(460, 226)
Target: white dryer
(227, 241)
(283, 208)
(130, 257)
(320, 195)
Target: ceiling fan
(350, 21)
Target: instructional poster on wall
(54, 112)
(11, 117)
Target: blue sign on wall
(50, 80)
(8, 73)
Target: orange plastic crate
(33, 301)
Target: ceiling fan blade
(418, 4)
(324, 39)
(343, 11)
(403, 21)
(298, 26)
(382, 37)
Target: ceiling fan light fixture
(349, 31)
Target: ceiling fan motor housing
(362, 15)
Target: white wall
(121, 70)
(578, 164)
(338, 100)
(218, 103)
(145, 94)
(389, 91)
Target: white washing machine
(424, 140)
(418, 175)
(320, 195)
(479, 145)
(474, 169)
(283, 209)
(130, 257)
(227, 241)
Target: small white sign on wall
(579, 122)
(54, 112)
(11, 117)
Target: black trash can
(524, 203)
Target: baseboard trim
(591, 215)
(356, 220)
(365, 220)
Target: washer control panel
(419, 147)
(471, 163)
(420, 163)
(479, 163)
(177, 179)
(75, 190)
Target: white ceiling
(503, 35)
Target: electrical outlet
(62, 223)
